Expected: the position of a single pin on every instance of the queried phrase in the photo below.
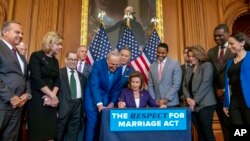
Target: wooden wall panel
(186, 22)
(22, 13)
(172, 25)
(71, 27)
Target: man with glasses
(72, 87)
(102, 91)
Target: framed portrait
(143, 12)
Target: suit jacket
(86, 70)
(202, 85)
(170, 84)
(124, 81)
(244, 78)
(181, 96)
(12, 80)
(64, 94)
(97, 89)
(145, 99)
(219, 70)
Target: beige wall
(186, 22)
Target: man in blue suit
(102, 91)
(126, 68)
(164, 79)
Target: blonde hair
(199, 53)
(49, 39)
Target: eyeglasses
(72, 60)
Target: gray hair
(113, 53)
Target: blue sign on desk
(148, 119)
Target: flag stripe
(100, 46)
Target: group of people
(66, 103)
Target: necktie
(160, 70)
(72, 85)
(14, 52)
(110, 79)
(221, 55)
(80, 67)
(187, 66)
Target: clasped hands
(191, 103)
(162, 103)
(50, 101)
(19, 101)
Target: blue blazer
(97, 89)
(124, 81)
(145, 99)
(244, 78)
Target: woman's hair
(139, 75)
(199, 53)
(240, 37)
(49, 39)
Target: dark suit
(127, 96)
(98, 90)
(12, 82)
(124, 81)
(182, 100)
(69, 111)
(219, 76)
(86, 69)
(202, 92)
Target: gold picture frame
(85, 17)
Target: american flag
(140, 61)
(149, 54)
(128, 40)
(99, 48)
(151, 47)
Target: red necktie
(160, 70)
(221, 55)
(14, 52)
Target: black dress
(42, 120)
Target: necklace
(239, 57)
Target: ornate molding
(85, 16)
(234, 10)
(84, 22)
(159, 15)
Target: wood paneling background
(186, 22)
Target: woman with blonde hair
(198, 90)
(44, 78)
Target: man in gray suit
(219, 55)
(164, 78)
(82, 66)
(14, 87)
(70, 105)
